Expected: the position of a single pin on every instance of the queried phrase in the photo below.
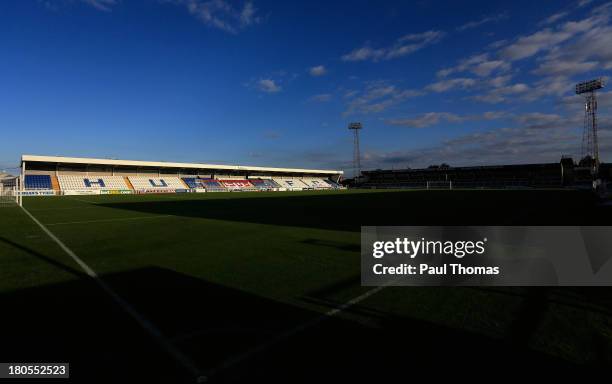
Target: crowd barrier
(116, 192)
(36, 192)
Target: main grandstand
(54, 175)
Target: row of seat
(264, 184)
(260, 184)
(38, 182)
(144, 182)
(74, 182)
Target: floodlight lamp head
(589, 86)
(355, 126)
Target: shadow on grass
(333, 244)
(76, 322)
(347, 212)
(43, 258)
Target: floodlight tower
(590, 145)
(356, 127)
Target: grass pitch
(241, 283)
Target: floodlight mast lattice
(590, 144)
(356, 127)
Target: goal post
(20, 188)
(9, 195)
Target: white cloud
(350, 93)
(499, 81)
(560, 51)
(493, 115)
(564, 67)
(530, 45)
(485, 68)
(376, 97)
(247, 15)
(318, 70)
(272, 81)
(536, 138)
(547, 39)
(221, 14)
(101, 5)
(433, 118)
(589, 51)
(554, 18)
(403, 46)
(480, 65)
(514, 89)
(538, 120)
(464, 64)
(484, 20)
(268, 86)
(554, 85)
(500, 94)
(426, 119)
(497, 44)
(364, 53)
(450, 84)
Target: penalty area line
(173, 351)
(232, 361)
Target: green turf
(288, 257)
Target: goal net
(8, 195)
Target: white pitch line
(290, 333)
(88, 202)
(109, 220)
(62, 209)
(185, 361)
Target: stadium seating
(191, 182)
(237, 185)
(170, 183)
(38, 182)
(333, 184)
(315, 183)
(290, 184)
(148, 182)
(72, 182)
(211, 185)
(264, 184)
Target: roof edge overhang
(163, 164)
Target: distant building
(4, 175)
(551, 175)
(7, 179)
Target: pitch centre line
(181, 358)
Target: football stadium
(233, 273)
(181, 200)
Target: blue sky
(276, 83)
